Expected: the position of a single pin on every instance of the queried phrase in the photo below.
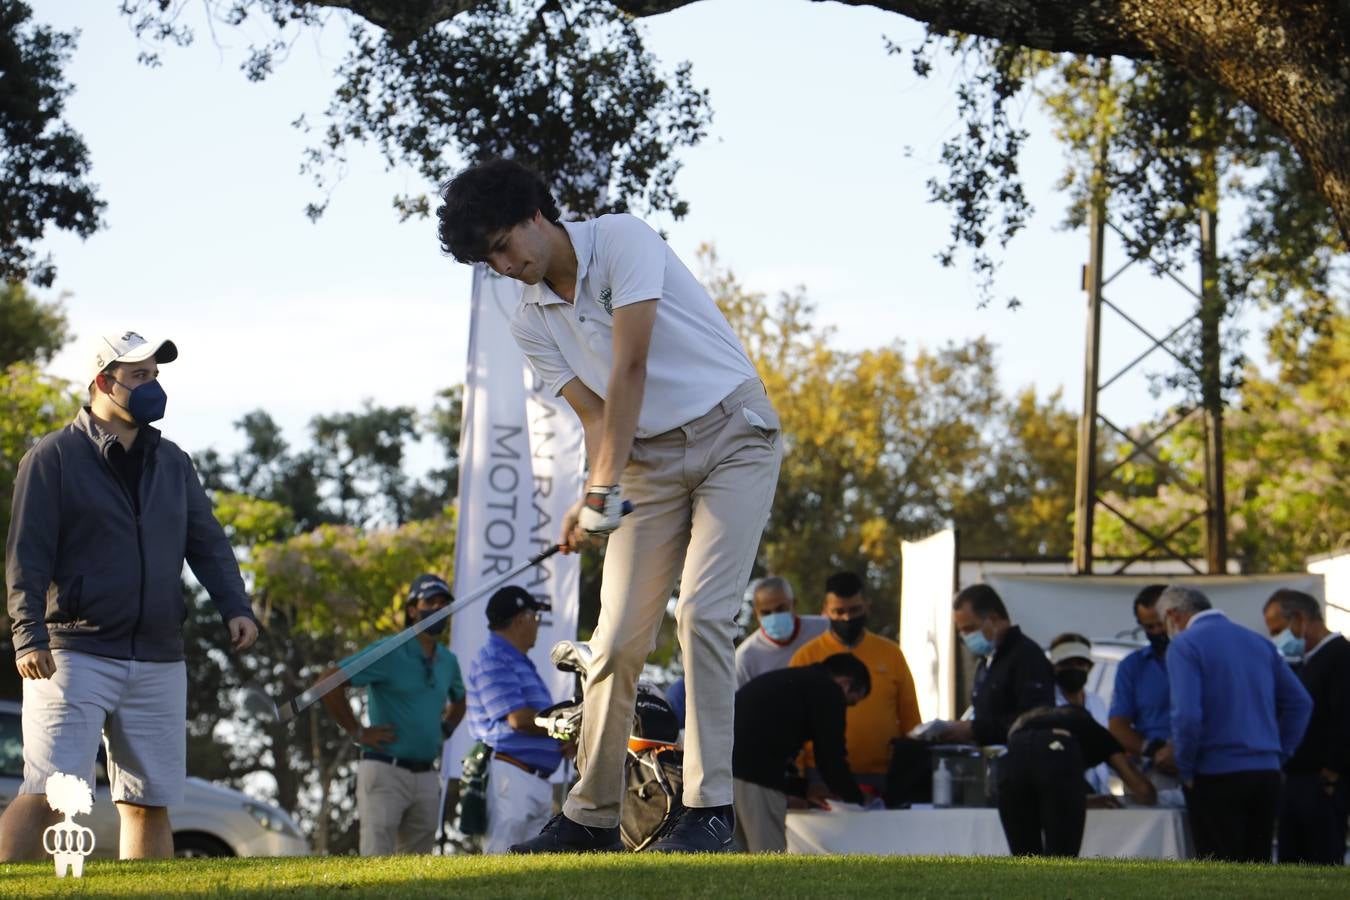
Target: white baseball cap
(128, 347)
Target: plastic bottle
(942, 785)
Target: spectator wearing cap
(415, 700)
(1238, 713)
(105, 513)
(505, 694)
(1071, 655)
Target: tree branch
(1286, 60)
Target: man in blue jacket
(1238, 713)
(106, 511)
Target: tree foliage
(1020, 503)
(885, 444)
(329, 536)
(44, 164)
(567, 87)
(32, 404)
(1288, 445)
(1174, 145)
(1284, 60)
(33, 331)
(354, 471)
(320, 596)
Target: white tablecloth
(1112, 833)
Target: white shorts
(139, 708)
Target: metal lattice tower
(1208, 313)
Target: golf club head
(257, 703)
(571, 656)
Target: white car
(211, 821)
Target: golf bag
(654, 765)
(653, 783)
(653, 771)
(471, 812)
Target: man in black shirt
(1316, 800)
(1042, 796)
(777, 713)
(1013, 676)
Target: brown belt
(520, 764)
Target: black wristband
(1152, 747)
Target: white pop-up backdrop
(1045, 605)
(1101, 606)
(1334, 568)
(926, 635)
(521, 466)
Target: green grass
(620, 877)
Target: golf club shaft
(291, 708)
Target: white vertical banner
(521, 467)
(927, 638)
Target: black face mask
(849, 630)
(439, 627)
(1071, 681)
(1158, 642)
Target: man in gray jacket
(106, 511)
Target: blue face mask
(147, 402)
(1290, 647)
(977, 643)
(779, 626)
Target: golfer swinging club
(676, 421)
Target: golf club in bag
(654, 764)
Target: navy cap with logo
(424, 587)
(509, 601)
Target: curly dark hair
(488, 198)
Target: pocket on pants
(764, 424)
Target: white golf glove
(601, 510)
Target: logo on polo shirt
(607, 301)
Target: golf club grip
(293, 707)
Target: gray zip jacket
(86, 573)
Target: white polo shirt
(695, 359)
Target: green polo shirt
(408, 691)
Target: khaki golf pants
(761, 818)
(701, 495)
(398, 809)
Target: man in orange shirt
(892, 708)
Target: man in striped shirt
(505, 693)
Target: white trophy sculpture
(67, 842)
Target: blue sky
(805, 179)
